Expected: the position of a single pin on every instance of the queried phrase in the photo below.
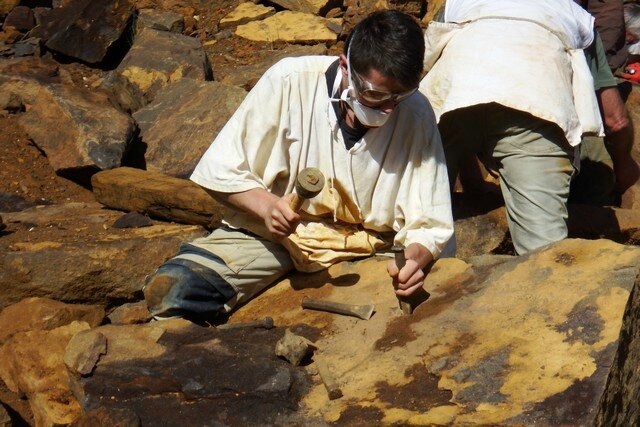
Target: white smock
(526, 55)
(393, 180)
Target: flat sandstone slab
(290, 27)
(246, 12)
(502, 340)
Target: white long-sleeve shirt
(393, 180)
(523, 54)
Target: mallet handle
(296, 202)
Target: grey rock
(157, 59)
(65, 28)
(160, 20)
(84, 351)
(21, 18)
(294, 348)
(179, 125)
(129, 314)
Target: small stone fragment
(160, 20)
(21, 18)
(130, 314)
(294, 348)
(132, 220)
(84, 350)
(246, 12)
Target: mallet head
(309, 182)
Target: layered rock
(74, 127)
(290, 27)
(174, 371)
(182, 121)
(501, 340)
(246, 12)
(157, 195)
(160, 20)
(85, 29)
(157, 59)
(31, 364)
(35, 314)
(105, 266)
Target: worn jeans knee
(182, 288)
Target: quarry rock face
(182, 121)
(74, 127)
(45, 314)
(501, 340)
(104, 266)
(85, 29)
(157, 59)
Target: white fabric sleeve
(423, 205)
(248, 151)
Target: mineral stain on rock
(583, 323)
(487, 378)
(205, 376)
(358, 415)
(577, 404)
(565, 258)
(419, 394)
(399, 331)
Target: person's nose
(388, 106)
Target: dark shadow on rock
(134, 156)
(322, 278)
(81, 176)
(16, 418)
(595, 222)
(594, 185)
(14, 203)
(465, 205)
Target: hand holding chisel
(411, 294)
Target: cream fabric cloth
(521, 54)
(392, 181)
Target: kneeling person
(359, 119)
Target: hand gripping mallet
(309, 183)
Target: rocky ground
(106, 106)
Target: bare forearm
(274, 211)
(254, 201)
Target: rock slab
(182, 121)
(74, 127)
(85, 29)
(290, 27)
(157, 195)
(106, 266)
(31, 364)
(156, 59)
(500, 341)
(177, 376)
(32, 314)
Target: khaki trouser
(533, 159)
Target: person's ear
(343, 64)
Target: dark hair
(391, 42)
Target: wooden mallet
(309, 183)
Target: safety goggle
(369, 94)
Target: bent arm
(274, 211)
(619, 137)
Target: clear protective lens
(370, 95)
